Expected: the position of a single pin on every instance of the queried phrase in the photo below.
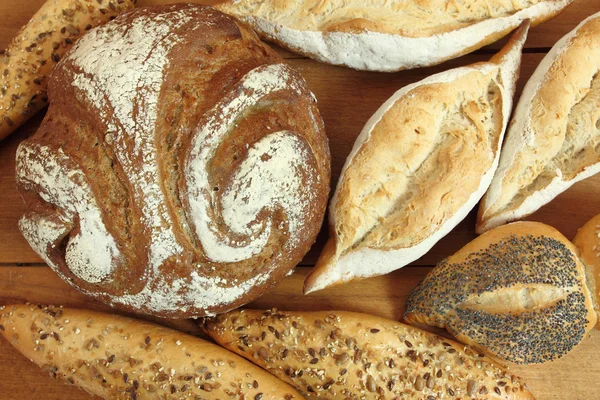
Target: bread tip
(311, 283)
(513, 48)
(326, 265)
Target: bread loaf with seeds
(388, 35)
(420, 164)
(38, 46)
(120, 358)
(587, 241)
(553, 139)
(344, 355)
(182, 168)
(519, 292)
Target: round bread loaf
(519, 292)
(182, 168)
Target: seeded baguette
(518, 292)
(587, 241)
(38, 46)
(120, 358)
(343, 355)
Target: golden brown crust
(551, 141)
(344, 355)
(587, 241)
(504, 291)
(120, 358)
(182, 203)
(407, 18)
(421, 162)
(388, 35)
(38, 46)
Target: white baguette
(120, 358)
(552, 140)
(418, 167)
(394, 35)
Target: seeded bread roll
(553, 140)
(120, 358)
(420, 164)
(388, 35)
(182, 168)
(343, 355)
(518, 292)
(587, 241)
(39, 45)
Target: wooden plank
(347, 99)
(542, 36)
(568, 378)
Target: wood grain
(542, 36)
(569, 378)
(347, 99)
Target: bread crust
(120, 358)
(587, 241)
(387, 35)
(551, 141)
(420, 164)
(38, 46)
(344, 355)
(518, 292)
(182, 168)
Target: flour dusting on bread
(262, 182)
(92, 252)
(122, 69)
(199, 162)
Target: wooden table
(347, 99)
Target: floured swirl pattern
(118, 72)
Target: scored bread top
(388, 35)
(552, 141)
(120, 358)
(420, 164)
(344, 355)
(182, 168)
(518, 292)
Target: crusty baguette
(38, 46)
(421, 163)
(344, 355)
(120, 358)
(518, 292)
(388, 35)
(587, 241)
(553, 138)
